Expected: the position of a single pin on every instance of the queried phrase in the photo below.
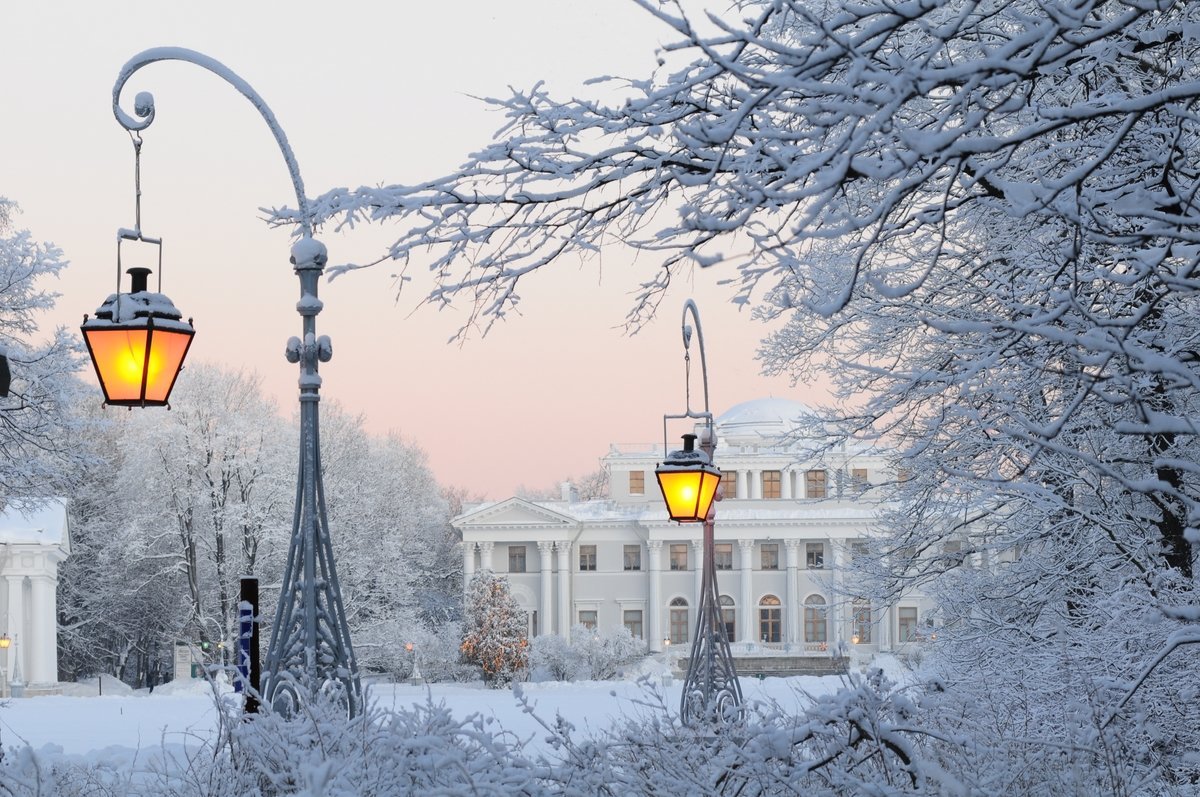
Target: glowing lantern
(137, 342)
(688, 482)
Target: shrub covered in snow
(594, 655)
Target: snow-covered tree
(41, 450)
(495, 638)
(980, 219)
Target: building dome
(761, 419)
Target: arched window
(679, 621)
(728, 617)
(814, 619)
(770, 617)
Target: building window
(679, 622)
(858, 550)
(814, 619)
(861, 629)
(770, 617)
(772, 484)
(632, 618)
(587, 619)
(728, 484)
(723, 556)
(814, 484)
(587, 557)
(769, 555)
(728, 617)
(814, 555)
(633, 557)
(516, 558)
(679, 557)
(859, 480)
(637, 482)
(906, 621)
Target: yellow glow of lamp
(137, 343)
(688, 482)
(5, 641)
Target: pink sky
(367, 93)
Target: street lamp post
(689, 482)
(138, 342)
(5, 641)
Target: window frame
(524, 558)
(675, 549)
(637, 563)
(587, 558)
(591, 624)
(720, 560)
(629, 623)
(813, 478)
(817, 548)
(773, 479)
(637, 479)
(762, 557)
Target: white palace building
(784, 531)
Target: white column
(485, 556)
(884, 628)
(786, 484)
(16, 622)
(563, 548)
(468, 563)
(546, 608)
(743, 484)
(837, 616)
(43, 642)
(654, 607)
(746, 610)
(756, 484)
(794, 610)
(698, 569)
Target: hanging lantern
(137, 343)
(688, 482)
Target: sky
(367, 93)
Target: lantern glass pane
(120, 358)
(688, 493)
(167, 350)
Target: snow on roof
(774, 415)
(41, 521)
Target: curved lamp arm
(144, 108)
(690, 305)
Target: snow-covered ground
(121, 723)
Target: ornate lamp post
(689, 481)
(138, 342)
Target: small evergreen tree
(495, 638)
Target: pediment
(515, 513)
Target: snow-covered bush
(552, 657)
(593, 655)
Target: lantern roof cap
(135, 310)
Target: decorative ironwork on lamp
(310, 651)
(690, 485)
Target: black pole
(248, 644)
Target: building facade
(785, 530)
(34, 538)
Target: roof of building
(41, 521)
(770, 418)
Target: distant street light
(138, 342)
(5, 642)
(689, 482)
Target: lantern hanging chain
(136, 137)
(687, 367)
